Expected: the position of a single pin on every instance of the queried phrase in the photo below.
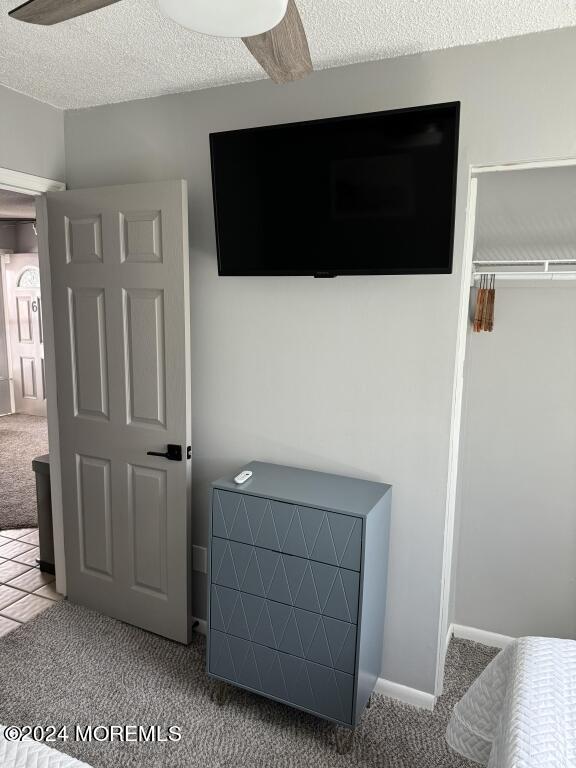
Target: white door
(119, 266)
(25, 328)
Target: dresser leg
(220, 693)
(369, 702)
(344, 739)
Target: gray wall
(19, 238)
(31, 141)
(352, 375)
(26, 239)
(7, 237)
(31, 136)
(516, 571)
(526, 215)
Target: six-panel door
(24, 306)
(119, 264)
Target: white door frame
(5, 253)
(444, 626)
(36, 185)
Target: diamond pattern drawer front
(328, 537)
(305, 584)
(324, 691)
(298, 566)
(311, 636)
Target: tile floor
(24, 590)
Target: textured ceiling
(14, 205)
(130, 51)
(526, 215)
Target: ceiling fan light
(226, 18)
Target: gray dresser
(297, 587)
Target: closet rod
(546, 269)
(522, 262)
(556, 276)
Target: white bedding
(521, 711)
(33, 754)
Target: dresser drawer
(316, 688)
(305, 584)
(321, 639)
(328, 537)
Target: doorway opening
(516, 484)
(513, 445)
(121, 321)
(26, 573)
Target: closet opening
(514, 546)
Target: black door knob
(174, 453)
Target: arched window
(29, 278)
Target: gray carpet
(72, 666)
(22, 438)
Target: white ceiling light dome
(226, 18)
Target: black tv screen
(367, 194)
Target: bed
(33, 754)
(521, 711)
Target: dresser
(298, 562)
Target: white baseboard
(493, 639)
(405, 694)
(449, 637)
(202, 626)
(440, 679)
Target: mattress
(521, 711)
(33, 754)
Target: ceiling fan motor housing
(226, 18)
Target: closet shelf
(551, 269)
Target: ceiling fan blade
(54, 11)
(283, 52)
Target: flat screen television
(366, 194)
